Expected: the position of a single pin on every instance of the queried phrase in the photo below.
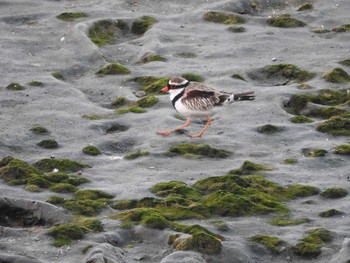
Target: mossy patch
(301, 119)
(284, 21)
(311, 245)
(282, 71)
(288, 222)
(341, 28)
(274, 244)
(63, 188)
(337, 75)
(185, 55)
(32, 188)
(314, 153)
(15, 86)
(38, 129)
(236, 29)
(150, 58)
(345, 62)
(343, 149)
(118, 102)
(71, 16)
(305, 6)
(335, 192)
(249, 167)
(146, 102)
(330, 213)
(338, 126)
(230, 195)
(133, 109)
(113, 69)
(63, 165)
(48, 144)
(91, 150)
(223, 18)
(136, 155)
(190, 150)
(192, 77)
(151, 85)
(290, 161)
(238, 76)
(140, 26)
(269, 129)
(220, 225)
(65, 234)
(326, 112)
(103, 32)
(15, 169)
(92, 195)
(56, 200)
(57, 75)
(36, 83)
(91, 117)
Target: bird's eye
(172, 86)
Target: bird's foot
(196, 135)
(165, 133)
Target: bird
(196, 99)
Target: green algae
(301, 119)
(223, 18)
(337, 126)
(288, 71)
(71, 16)
(288, 222)
(330, 213)
(249, 167)
(65, 234)
(84, 207)
(63, 188)
(178, 188)
(274, 244)
(39, 181)
(150, 58)
(140, 26)
(269, 129)
(136, 155)
(63, 165)
(314, 153)
(334, 193)
(321, 30)
(341, 28)
(337, 75)
(91, 150)
(192, 77)
(306, 6)
(118, 102)
(326, 112)
(102, 32)
(345, 62)
(150, 84)
(284, 21)
(185, 55)
(48, 144)
(57, 75)
(76, 180)
(133, 109)
(238, 76)
(91, 116)
(343, 149)
(32, 188)
(146, 102)
(236, 29)
(38, 129)
(190, 150)
(311, 245)
(113, 69)
(220, 225)
(36, 83)
(56, 200)
(15, 169)
(15, 86)
(290, 161)
(92, 195)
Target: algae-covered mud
(84, 176)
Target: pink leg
(166, 133)
(205, 127)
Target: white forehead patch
(178, 83)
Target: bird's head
(175, 85)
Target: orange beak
(165, 89)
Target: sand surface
(34, 44)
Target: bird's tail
(250, 95)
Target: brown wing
(201, 97)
